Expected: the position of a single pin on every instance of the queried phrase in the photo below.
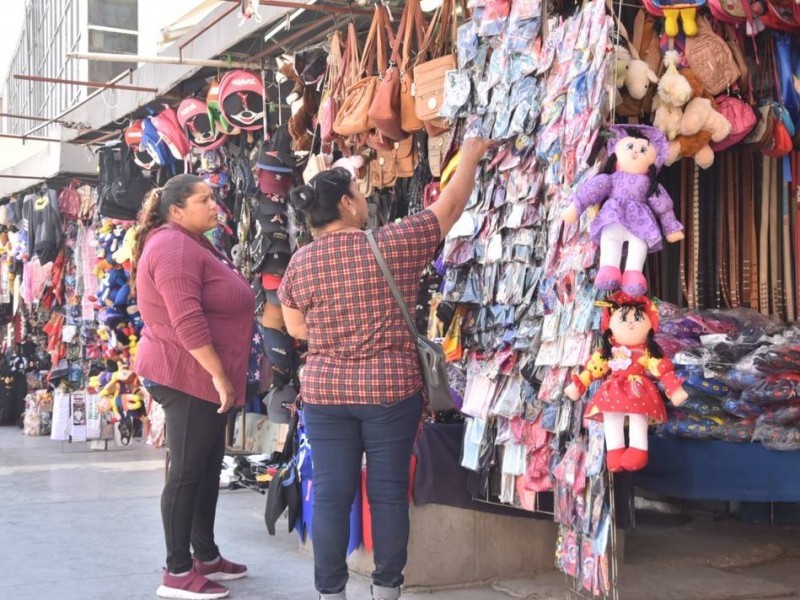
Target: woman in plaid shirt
(361, 382)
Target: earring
(353, 212)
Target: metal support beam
(284, 43)
(204, 29)
(32, 118)
(92, 84)
(118, 78)
(31, 138)
(165, 60)
(325, 8)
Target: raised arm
(451, 203)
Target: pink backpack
(737, 12)
(740, 115)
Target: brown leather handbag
(353, 116)
(408, 114)
(385, 110)
(429, 76)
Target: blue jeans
(339, 436)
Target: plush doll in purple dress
(635, 209)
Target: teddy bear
(700, 124)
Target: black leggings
(196, 442)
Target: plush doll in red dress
(627, 361)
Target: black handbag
(431, 355)
(284, 491)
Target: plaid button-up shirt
(360, 349)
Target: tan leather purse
(437, 150)
(352, 117)
(388, 165)
(385, 108)
(429, 75)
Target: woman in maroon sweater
(198, 314)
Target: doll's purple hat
(656, 137)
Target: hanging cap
(133, 134)
(166, 122)
(198, 125)
(242, 99)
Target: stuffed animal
(638, 79)
(635, 208)
(699, 125)
(622, 62)
(673, 87)
(628, 359)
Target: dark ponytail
(607, 348)
(155, 212)
(319, 200)
(652, 346)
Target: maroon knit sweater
(190, 296)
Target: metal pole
(95, 93)
(204, 29)
(94, 84)
(325, 8)
(28, 137)
(295, 36)
(165, 60)
(31, 118)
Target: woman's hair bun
(303, 197)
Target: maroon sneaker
(190, 587)
(222, 570)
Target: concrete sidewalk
(80, 525)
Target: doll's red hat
(620, 299)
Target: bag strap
(387, 273)
(368, 55)
(418, 30)
(403, 34)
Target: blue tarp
(720, 471)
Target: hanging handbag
(383, 170)
(437, 149)
(429, 76)
(284, 491)
(741, 117)
(338, 65)
(385, 108)
(408, 114)
(353, 116)
(431, 355)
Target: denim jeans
(196, 442)
(339, 436)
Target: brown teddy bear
(699, 125)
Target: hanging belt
(722, 241)
(786, 217)
(776, 235)
(684, 244)
(693, 269)
(763, 241)
(750, 258)
(733, 236)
